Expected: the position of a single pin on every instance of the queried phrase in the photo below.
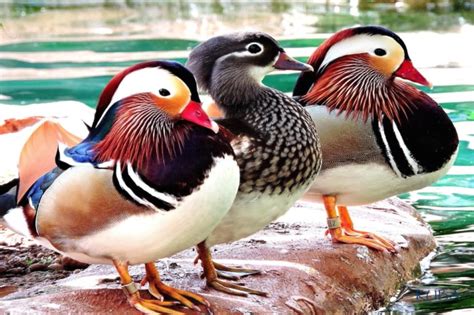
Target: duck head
(356, 71)
(232, 66)
(139, 111)
(168, 85)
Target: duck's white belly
(146, 237)
(249, 214)
(359, 184)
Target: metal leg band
(130, 288)
(334, 223)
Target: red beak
(285, 62)
(408, 71)
(194, 113)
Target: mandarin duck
(275, 140)
(380, 136)
(153, 177)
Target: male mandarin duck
(153, 177)
(379, 135)
(275, 142)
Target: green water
(448, 205)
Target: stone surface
(303, 270)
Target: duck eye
(254, 48)
(380, 52)
(164, 92)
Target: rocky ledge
(303, 272)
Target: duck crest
(108, 92)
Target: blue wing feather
(41, 185)
(83, 153)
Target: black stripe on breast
(396, 151)
(139, 192)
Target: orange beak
(408, 72)
(194, 113)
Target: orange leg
(143, 305)
(158, 289)
(340, 228)
(212, 279)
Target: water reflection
(283, 17)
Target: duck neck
(358, 90)
(235, 96)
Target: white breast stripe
(140, 183)
(121, 182)
(409, 157)
(387, 148)
(106, 164)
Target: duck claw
(368, 239)
(234, 273)
(158, 289)
(234, 289)
(212, 275)
(152, 306)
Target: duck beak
(408, 72)
(194, 113)
(285, 62)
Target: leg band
(129, 289)
(334, 223)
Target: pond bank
(303, 270)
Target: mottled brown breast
(281, 152)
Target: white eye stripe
(359, 44)
(141, 81)
(245, 53)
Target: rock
(71, 264)
(7, 289)
(173, 265)
(14, 125)
(303, 271)
(16, 270)
(55, 267)
(38, 267)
